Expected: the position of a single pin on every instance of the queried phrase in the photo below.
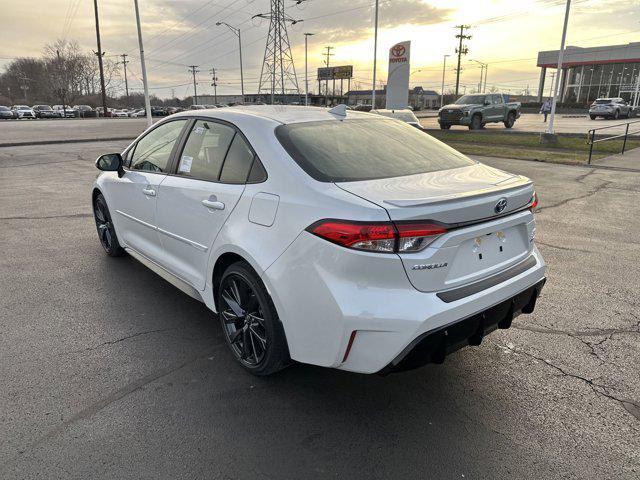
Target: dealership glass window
(617, 74)
(607, 73)
(571, 95)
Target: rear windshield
(365, 149)
(400, 115)
(604, 101)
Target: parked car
(362, 108)
(132, 111)
(610, 108)
(6, 113)
(119, 113)
(340, 239)
(404, 115)
(23, 111)
(85, 111)
(65, 111)
(157, 112)
(476, 110)
(139, 113)
(197, 107)
(44, 111)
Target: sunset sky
(506, 34)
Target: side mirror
(487, 102)
(111, 162)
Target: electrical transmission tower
(461, 50)
(278, 72)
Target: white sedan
(340, 239)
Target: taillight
(384, 237)
(375, 237)
(533, 203)
(414, 236)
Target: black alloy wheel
(106, 230)
(511, 119)
(250, 324)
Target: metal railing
(592, 136)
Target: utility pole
(126, 84)
(100, 53)
(444, 67)
(328, 55)
(214, 84)
(306, 70)
(559, 71)
(192, 69)
(461, 50)
(375, 63)
(147, 101)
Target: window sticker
(185, 164)
(199, 131)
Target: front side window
(153, 151)
(352, 150)
(205, 150)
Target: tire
(476, 122)
(616, 115)
(592, 117)
(106, 230)
(250, 323)
(445, 126)
(511, 119)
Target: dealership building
(590, 73)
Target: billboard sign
(398, 78)
(335, 73)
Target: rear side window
(365, 149)
(238, 162)
(153, 151)
(205, 150)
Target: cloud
(355, 22)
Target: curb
(57, 142)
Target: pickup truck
(476, 110)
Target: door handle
(213, 205)
(149, 191)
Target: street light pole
(306, 74)
(238, 34)
(147, 102)
(559, 71)
(375, 48)
(100, 66)
(444, 67)
(483, 68)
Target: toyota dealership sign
(398, 78)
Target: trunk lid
(481, 241)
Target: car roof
(283, 114)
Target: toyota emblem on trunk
(501, 205)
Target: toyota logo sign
(398, 50)
(501, 205)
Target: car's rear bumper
(433, 346)
(323, 293)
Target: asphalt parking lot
(108, 371)
(43, 130)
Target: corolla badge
(429, 266)
(501, 205)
